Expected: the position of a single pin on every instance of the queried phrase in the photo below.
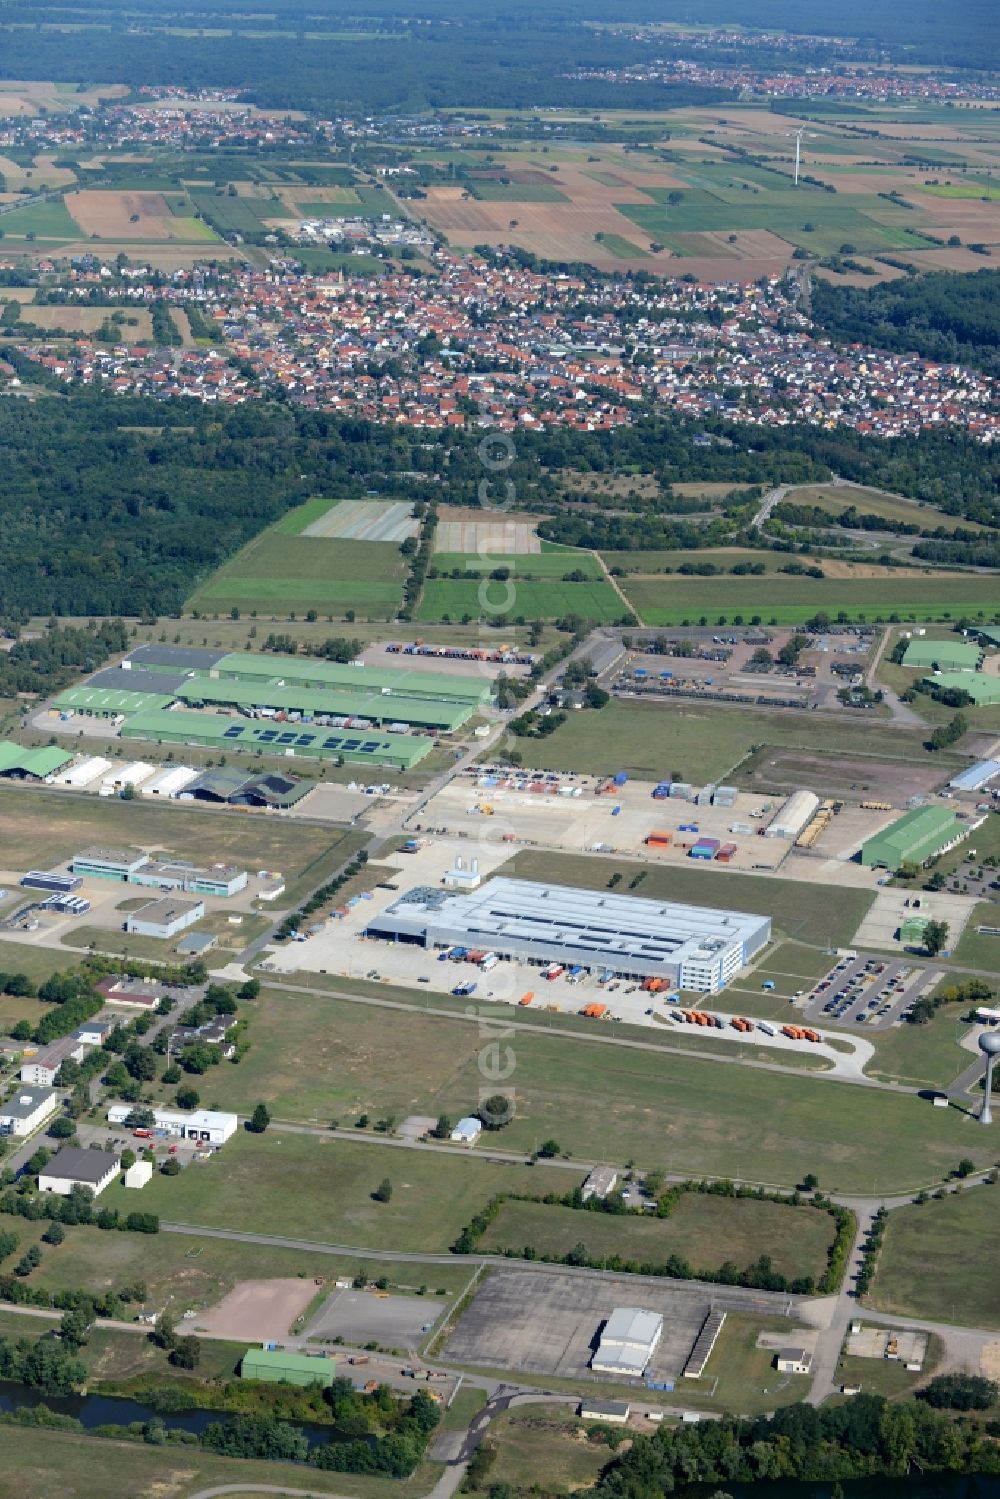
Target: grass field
(976, 950)
(195, 1272)
(922, 1056)
(39, 828)
(44, 220)
(649, 740)
(312, 1187)
(813, 913)
(543, 1447)
(837, 498)
(601, 1102)
(784, 600)
(447, 598)
(706, 1231)
(544, 564)
(282, 572)
(939, 1260)
(489, 190)
(37, 1463)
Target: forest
(394, 56)
(118, 506)
(944, 316)
(865, 1436)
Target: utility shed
(276, 1366)
(949, 655)
(916, 836)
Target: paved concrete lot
(361, 1317)
(548, 1322)
(889, 910)
(590, 823)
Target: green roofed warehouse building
(982, 689)
(16, 761)
(915, 837)
(216, 731)
(357, 701)
(305, 671)
(949, 655)
(109, 702)
(276, 1366)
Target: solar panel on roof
(368, 749)
(234, 732)
(268, 735)
(351, 743)
(331, 743)
(285, 738)
(305, 739)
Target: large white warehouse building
(693, 947)
(793, 816)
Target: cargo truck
(554, 970)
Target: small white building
(793, 1361)
(629, 1339)
(138, 1174)
(601, 1181)
(73, 1167)
(614, 1412)
(26, 1110)
(132, 774)
(165, 918)
(208, 1126)
(462, 876)
(467, 1131)
(170, 782)
(83, 772)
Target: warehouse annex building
(693, 947)
(915, 837)
(629, 1338)
(943, 655)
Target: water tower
(989, 1042)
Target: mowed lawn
(277, 573)
(601, 1100)
(453, 598)
(939, 1260)
(40, 828)
(814, 913)
(317, 1187)
(702, 742)
(706, 1231)
(780, 600)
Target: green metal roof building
(356, 702)
(983, 689)
(217, 731)
(916, 836)
(109, 702)
(45, 761)
(307, 672)
(278, 1367)
(949, 655)
(911, 931)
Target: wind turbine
(798, 149)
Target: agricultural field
(283, 571)
(545, 564)
(793, 601)
(453, 599)
(938, 1260)
(704, 1230)
(699, 742)
(146, 217)
(38, 829)
(48, 222)
(137, 326)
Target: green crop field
(836, 498)
(46, 221)
(701, 742)
(790, 601)
(489, 190)
(816, 914)
(38, 828)
(279, 572)
(704, 1230)
(448, 598)
(528, 565)
(939, 1260)
(835, 219)
(616, 244)
(236, 215)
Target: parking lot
(548, 1322)
(864, 990)
(363, 1316)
